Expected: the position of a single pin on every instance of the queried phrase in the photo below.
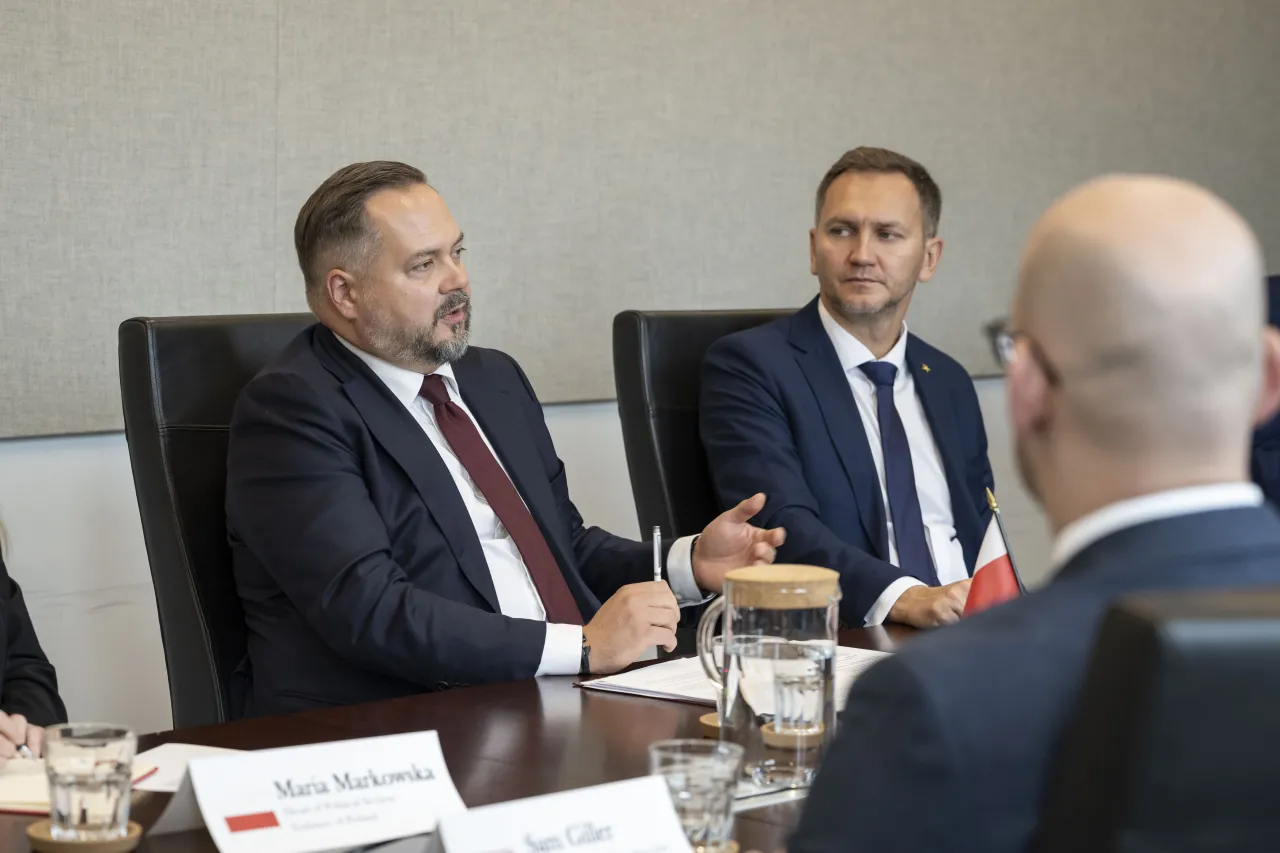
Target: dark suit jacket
(30, 686)
(778, 417)
(949, 744)
(359, 569)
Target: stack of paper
(684, 680)
(24, 785)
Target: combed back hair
(883, 161)
(333, 228)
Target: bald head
(1146, 294)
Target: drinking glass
(90, 767)
(701, 776)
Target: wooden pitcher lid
(782, 587)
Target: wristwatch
(584, 667)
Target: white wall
(75, 545)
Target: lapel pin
(924, 367)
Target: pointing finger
(745, 511)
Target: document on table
(24, 785)
(684, 680)
(170, 761)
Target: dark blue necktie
(900, 477)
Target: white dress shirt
(1086, 530)
(517, 595)
(926, 459)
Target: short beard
(854, 314)
(420, 345)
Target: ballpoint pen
(657, 554)
(657, 564)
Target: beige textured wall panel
(603, 155)
(137, 176)
(600, 154)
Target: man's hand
(635, 618)
(730, 543)
(929, 606)
(15, 732)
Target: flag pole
(995, 511)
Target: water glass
(701, 776)
(90, 767)
(798, 703)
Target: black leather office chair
(1173, 747)
(657, 367)
(179, 379)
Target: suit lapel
(503, 423)
(939, 411)
(402, 438)
(821, 367)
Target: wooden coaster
(38, 835)
(787, 740)
(710, 724)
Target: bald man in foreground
(1136, 364)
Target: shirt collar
(852, 352)
(1083, 532)
(404, 384)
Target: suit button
(442, 685)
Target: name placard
(309, 798)
(621, 817)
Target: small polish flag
(995, 580)
(248, 822)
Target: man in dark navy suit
(868, 441)
(398, 517)
(1136, 363)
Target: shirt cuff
(680, 573)
(562, 650)
(880, 610)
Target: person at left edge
(29, 697)
(398, 517)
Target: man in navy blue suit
(868, 441)
(398, 517)
(1136, 362)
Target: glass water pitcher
(774, 665)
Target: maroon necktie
(504, 500)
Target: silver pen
(24, 751)
(657, 567)
(657, 554)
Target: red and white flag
(994, 580)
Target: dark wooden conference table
(501, 742)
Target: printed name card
(621, 817)
(310, 798)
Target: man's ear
(932, 254)
(813, 251)
(339, 289)
(1027, 392)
